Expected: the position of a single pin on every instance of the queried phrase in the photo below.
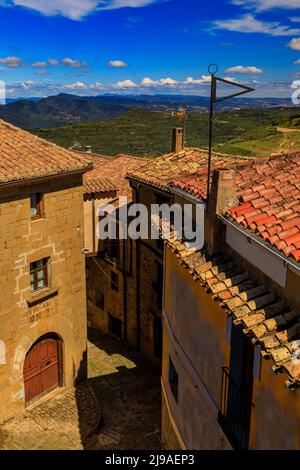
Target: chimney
(223, 196)
(88, 149)
(177, 140)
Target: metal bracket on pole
(213, 69)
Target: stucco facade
(197, 341)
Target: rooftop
(96, 185)
(114, 169)
(160, 171)
(269, 198)
(24, 156)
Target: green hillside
(148, 133)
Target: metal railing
(235, 411)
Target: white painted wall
(258, 255)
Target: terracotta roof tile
(97, 185)
(161, 171)
(269, 197)
(24, 156)
(278, 206)
(115, 169)
(264, 317)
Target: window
(173, 379)
(111, 246)
(115, 281)
(39, 274)
(114, 326)
(99, 300)
(237, 390)
(36, 205)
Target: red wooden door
(41, 369)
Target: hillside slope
(148, 133)
(58, 110)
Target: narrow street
(118, 408)
(128, 390)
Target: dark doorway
(43, 367)
(237, 390)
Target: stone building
(150, 185)
(43, 300)
(231, 359)
(111, 288)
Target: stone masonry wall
(59, 236)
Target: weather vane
(212, 70)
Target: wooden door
(41, 369)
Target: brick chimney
(177, 140)
(223, 196)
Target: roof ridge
(26, 133)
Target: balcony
(235, 411)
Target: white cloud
(167, 81)
(294, 44)
(97, 86)
(12, 62)
(249, 24)
(41, 72)
(39, 64)
(74, 63)
(198, 81)
(117, 63)
(53, 62)
(125, 84)
(244, 70)
(262, 5)
(27, 84)
(189, 86)
(76, 86)
(297, 62)
(148, 82)
(75, 9)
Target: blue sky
(147, 46)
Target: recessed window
(36, 205)
(99, 300)
(39, 274)
(114, 326)
(115, 281)
(173, 379)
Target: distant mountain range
(63, 109)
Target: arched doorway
(43, 368)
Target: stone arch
(43, 368)
(61, 326)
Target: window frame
(39, 205)
(34, 271)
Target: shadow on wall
(124, 407)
